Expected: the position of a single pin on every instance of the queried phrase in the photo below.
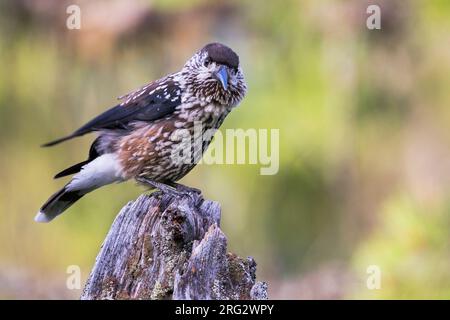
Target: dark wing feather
(93, 153)
(149, 103)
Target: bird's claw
(193, 193)
(182, 188)
(175, 189)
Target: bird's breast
(167, 149)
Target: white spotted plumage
(138, 136)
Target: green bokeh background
(364, 122)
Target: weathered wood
(166, 246)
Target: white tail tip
(42, 217)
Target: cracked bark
(165, 246)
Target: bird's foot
(193, 193)
(157, 185)
(185, 189)
(175, 189)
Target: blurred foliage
(364, 136)
(418, 259)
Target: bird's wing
(149, 103)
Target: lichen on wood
(170, 246)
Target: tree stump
(170, 246)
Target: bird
(137, 138)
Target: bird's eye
(207, 62)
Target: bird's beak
(222, 76)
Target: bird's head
(213, 74)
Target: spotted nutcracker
(137, 137)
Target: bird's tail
(58, 203)
(99, 172)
